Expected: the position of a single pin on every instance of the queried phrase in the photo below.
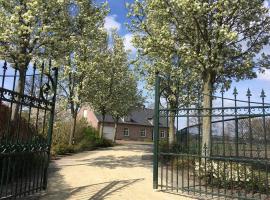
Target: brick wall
(135, 132)
(91, 118)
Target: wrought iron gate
(27, 104)
(237, 165)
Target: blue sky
(117, 19)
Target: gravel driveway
(118, 173)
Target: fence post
(51, 122)
(156, 132)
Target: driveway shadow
(91, 192)
(113, 162)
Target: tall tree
(26, 28)
(217, 39)
(126, 98)
(176, 89)
(113, 86)
(161, 57)
(84, 20)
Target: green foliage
(231, 175)
(210, 42)
(86, 138)
(216, 38)
(110, 86)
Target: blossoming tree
(216, 39)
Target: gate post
(51, 122)
(156, 132)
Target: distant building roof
(140, 116)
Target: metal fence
(27, 103)
(237, 165)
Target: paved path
(117, 173)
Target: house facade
(137, 126)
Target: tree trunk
(115, 131)
(171, 128)
(19, 89)
(206, 120)
(102, 126)
(73, 129)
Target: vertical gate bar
(166, 174)
(19, 139)
(199, 141)
(28, 143)
(218, 171)
(200, 180)
(172, 162)
(50, 130)
(249, 122)
(156, 132)
(245, 171)
(3, 173)
(178, 143)
(250, 141)
(3, 158)
(161, 169)
(41, 170)
(182, 175)
(259, 168)
(8, 137)
(2, 85)
(235, 93)
(267, 177)
(231, 173)
(37, 172)
(32, 95)
(223, 139)
(264, 124)
(177, 173)
(236, 136)
(205, 167)
(14, 176)
(37, 120)
(40, 94)
(7, 176)
(45, 117)
(211, 184)
(194, 163)
(265, 143)
(22, 175)
(188, 143)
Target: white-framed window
(143, 132)
(126, 132)
(162, 134)
(85, 113)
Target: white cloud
(111, 23)
(264, 76)
(128, 43)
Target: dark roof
(140, 116)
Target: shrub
(232, 174)
(86, 138)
